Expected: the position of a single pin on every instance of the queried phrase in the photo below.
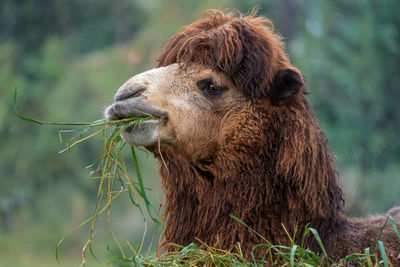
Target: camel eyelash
(209, 88)
(205, 82)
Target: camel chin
(143, 134)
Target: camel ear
(286, 84)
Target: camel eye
(212, 90)
(209, 89)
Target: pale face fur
(189, 117)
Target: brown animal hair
(243, 48)
(296, 162)
(272, 164)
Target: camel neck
(199, 199)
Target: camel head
(185, 102)
(209, 76)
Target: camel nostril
(133, 91)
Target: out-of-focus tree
(349, 51)
(86, 25)
(39, 41)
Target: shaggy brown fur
(271, 164)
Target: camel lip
(124, 110)
(145, 133)
(151, 122)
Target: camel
(234, 134)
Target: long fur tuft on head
(243, 48)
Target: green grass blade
(19, 115)
(140, 180)
(292, 255)
(92, 253)
(392, 221)
(118, 244)
(81, 140)
(318, 238)
(138, 262)
(379, 235)
(238, 220)
(248, 227)
(42, 122)
(58, 245)
(79, 133)
(305, 234)
(383, 253)
(368, 257)
(73, 229)
(98, 122)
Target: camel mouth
(119, 111)
(144, 133)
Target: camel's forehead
(154, 75)
(174, 75)
(175, 71)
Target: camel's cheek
(187, 124)
(189, 113)
(190, 122)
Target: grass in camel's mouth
(111, 171)
(147, 121)
(119, 111)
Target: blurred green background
(68, 58)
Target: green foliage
(350, 62)
(275, 255)
(85, 25)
